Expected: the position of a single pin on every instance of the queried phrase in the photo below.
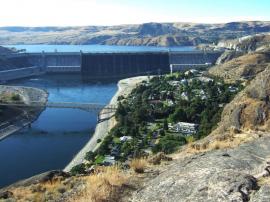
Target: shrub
(78, 169)
(98, 140)
(168, 144)
(138, 165)
(90, 156)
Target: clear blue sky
(112, 12)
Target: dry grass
(264, 181)
(220, 142)
(138, 165)
(40, 192)
(103, 185)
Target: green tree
(165, 125)
(78, 169)
(90, 156)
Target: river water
(58, 134)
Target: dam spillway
(105, 65)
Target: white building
(125, 138)
(110, 160)
(186, 128)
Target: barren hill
(242, 68)
(155, 34)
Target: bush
(138, 165)
(98, 140)
(168, 144)
(78, 169)
(90, 156)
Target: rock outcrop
(220, 175)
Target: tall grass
(103, 185)
(138, 165)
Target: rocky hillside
(232, 164)
(232, 68)
(259, 42)
(154, 34)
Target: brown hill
(242, 68)
(156, 34)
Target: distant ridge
(154, 34)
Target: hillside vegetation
(154, 34)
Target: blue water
(97, 48)
(58, 134)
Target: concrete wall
(123, 65)
(56, 62)
(196, 57)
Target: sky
(115, 12)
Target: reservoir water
(58, 134)
(97, 48)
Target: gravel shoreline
(125, 87)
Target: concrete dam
(114, 65)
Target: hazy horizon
(39, 13)
(135, 24)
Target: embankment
(125, 87)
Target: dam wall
(194, 57)
(123, 65)
(182, 61)
(111, 65)
(56, 62)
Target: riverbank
(28, 95)
(125, 87)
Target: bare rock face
(220, 175)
